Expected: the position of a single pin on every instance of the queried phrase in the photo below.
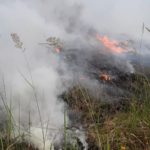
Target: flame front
(105, 77)
(110, 44)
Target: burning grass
(123, 124)
(110, 44)
(116, 125)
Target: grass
(121, 125)
(108, 128)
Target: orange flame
(110, 44)
(105, 77)
(57, 50)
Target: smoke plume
(33, 75)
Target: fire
(57, 50)
(113, 45)
(105, 77)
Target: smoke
(33, 76)
(30, 80)
(118, 16)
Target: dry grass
(121, 125)
(110, 128)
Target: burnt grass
(115, 124)
(120, 123)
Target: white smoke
(31, 80)
(118, 16)
(30, 74)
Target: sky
(113, 16)
(119, 16)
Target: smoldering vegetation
(58, 80)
